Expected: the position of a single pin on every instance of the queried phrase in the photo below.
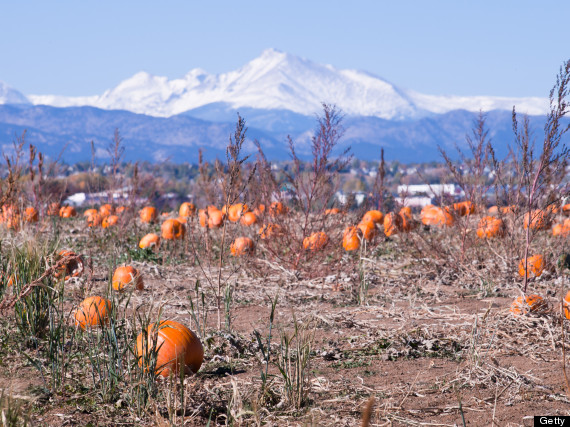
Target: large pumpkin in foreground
(177, 348)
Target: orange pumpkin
(269, 230)
(431, 215)
(236, 211)
(494, 210)
(90, 212)
(351, 238)
(212, 208)
(148, 214)
(67, 212)
(105, 210)
(535, 266)
(489, 227)
(332, 211)
(121, 210)
(94, 220)
(408, 223)
(373, 216)
(177, 348)
(277, 209)
(9, 211)
(316, 241)
(248, 218)
(528, 304)
(393, 224)
(464, 208)
(72, 268)
(566, 209)
(212, 218)
(187, 209)
(538, 220)
(558, 230)
(368, 230)
(172, 229)
(151, 240)
(31, 214)
(241, 246)
(125, 276)
(562, 230)
(93, 311)
(110, 221)
(215, 219)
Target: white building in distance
(430, 190)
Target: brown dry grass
(433, 342)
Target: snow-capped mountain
(281, 81)
(278, 94)
(9, 95)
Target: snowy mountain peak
(279, 80)
(8, 95)
(272, 54)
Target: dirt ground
(432, 346)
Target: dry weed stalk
(232, 185)
(537, 175)
(13, 163)
(116, 151)
(379, 182)
(310, 187)
(471, 176)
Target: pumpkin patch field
(254, 305)
(396, 320)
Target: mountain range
(278, 94)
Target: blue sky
(501, 48)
